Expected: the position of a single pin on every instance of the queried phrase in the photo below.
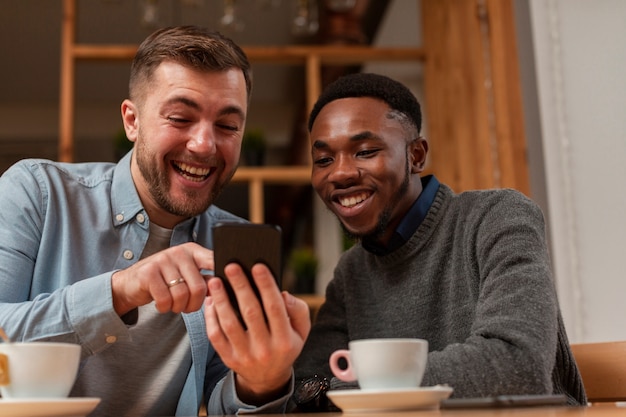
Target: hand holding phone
(246, 244)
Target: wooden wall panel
(473, 100)
(508, 97)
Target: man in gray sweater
(468, 272)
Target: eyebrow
(194, 105)
(233, 110)
(183, 100)
(361, 136)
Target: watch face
(308, 390)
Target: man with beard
(468, 272)
(112, 256)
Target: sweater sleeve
(511, 344)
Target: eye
(322, 161)
(367, 153)
(177, 120)
(231, 128)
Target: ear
(130, 120)
(418, 149)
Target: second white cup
(382, 363)
(39, 369)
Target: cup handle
(346, 375)
(4, 370)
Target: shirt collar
(411, 220)
(125, 200)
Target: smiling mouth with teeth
(192, 173)
(352, 200)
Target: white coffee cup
(382, 363)
(39, 369)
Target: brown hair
(192, 46)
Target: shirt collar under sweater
(411, 220)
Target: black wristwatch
(310, 394)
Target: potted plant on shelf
(304, 263)
(253, 147)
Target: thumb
(299, 314)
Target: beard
(385, 215)
(158, 182)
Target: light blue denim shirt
(64, 229)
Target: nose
(344, 171)
(202, 140)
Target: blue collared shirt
(411, 221)
(64, 230)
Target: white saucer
(47, 407)
(362, 400)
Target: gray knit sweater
(475, 281)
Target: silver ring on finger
(175, 282)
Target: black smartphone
(504, 401)
(247, 244)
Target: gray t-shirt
(144, 376)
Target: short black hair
(392, 92)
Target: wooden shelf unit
(311, 57)
(472, 93)
(472, 101)
(258, 177)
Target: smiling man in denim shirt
(110, 256)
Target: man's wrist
(257, 398)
